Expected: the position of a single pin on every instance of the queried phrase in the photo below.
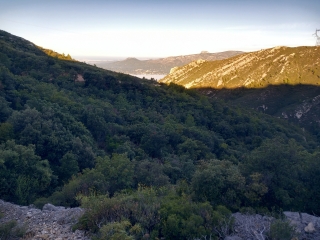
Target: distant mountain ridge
(279, 65)
(161, 66)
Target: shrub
(119, 231)
(281, 229)
(10, 230)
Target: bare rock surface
(51, 222)
(252, 227)
(308, 226)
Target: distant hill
(162, 65)
(279, 65)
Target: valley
(175, 159)
(161, 66)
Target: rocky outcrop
(79, 78)
(252, 227)
(51, 222)
(307, 226)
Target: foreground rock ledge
(49, 223)
(56, 223)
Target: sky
(103, 29)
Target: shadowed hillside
(296, 103)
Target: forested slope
(142, 157)
(299, 104)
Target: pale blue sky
(152, 28)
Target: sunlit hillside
(275, 66)
(55, 54)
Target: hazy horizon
(119, 58)
(156, 29)
(108, 58)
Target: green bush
(120, 231)
(10, 230)
(281, 229)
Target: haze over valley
(160, 67)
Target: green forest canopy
(115, 141)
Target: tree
(219, 182)
(278, 163)
(23, 175)
(117, 171)
(6, 132)
(181, 219)
(150, 173)
(69, 166)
